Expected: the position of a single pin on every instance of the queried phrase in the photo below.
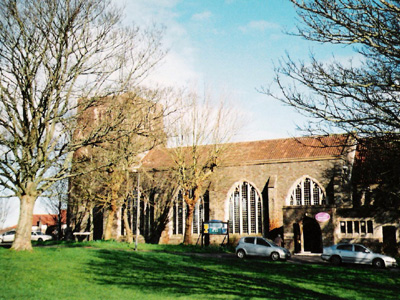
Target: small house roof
(49, 219)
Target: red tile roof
(48, 219)
(245, 153)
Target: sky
(230, 46)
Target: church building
(301, 188)
(313, 191)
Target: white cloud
(260, 25)
(178, 66)
(205, 15)
(176, 70)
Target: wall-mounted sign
(322, 217)
(215, 227)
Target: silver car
(358, 254)
(258, 246)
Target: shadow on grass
(174, 275)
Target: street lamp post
(137, 210)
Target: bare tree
(360, 96)
(198, 141)
(53, 53)
(159, 190)
(5, 208)
(56, 200)
(140, 114)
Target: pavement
(298, 258)
(307, 258)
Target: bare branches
(357, 96)
(198, 140)
(59, 59)
(52, 54)
(5, 209)
(135, 126)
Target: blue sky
(232, 46)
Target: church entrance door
(312, 235)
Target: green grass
(100, 270)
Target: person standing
(279, 241)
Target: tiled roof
(47, 219)
(7, 229)
(245, 153)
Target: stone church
(305, 189)
(301, 188)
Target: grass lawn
(100, 270)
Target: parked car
(358, 254)
(40, 237)
(258, 246)
(8, 237)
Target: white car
(40, 237)
(8, 237)
(357, 254)
(258, 246)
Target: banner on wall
(215, 227)
(322, 217)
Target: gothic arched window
(245, 209)
(307, 192)
(179, 215)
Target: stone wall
(273, 181)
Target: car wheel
(274, 256)
(336, 260)
(378, 263)
(40, 240)
(241, 253)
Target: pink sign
(322, 217)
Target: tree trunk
(128, 229)
(129, 234)
(191, 203)
(23, 235)
(187, 240)
(108, 233)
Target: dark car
(258, 246)
(357, 254)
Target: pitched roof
(257, 152)
(49, 219)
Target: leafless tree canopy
(5, 209)
(138, 119)
(52, 54)
(199, 138)
(359, 97)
